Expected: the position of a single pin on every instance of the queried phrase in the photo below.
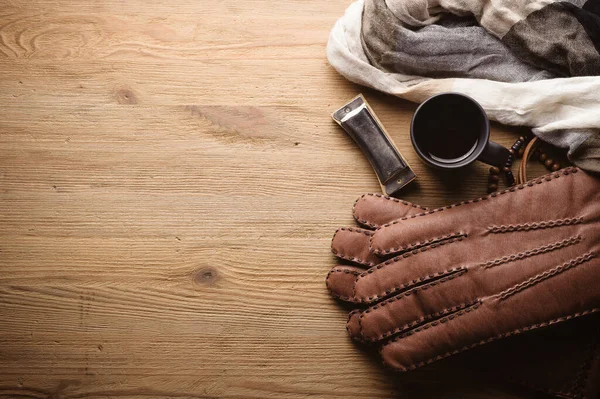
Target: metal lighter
(360, 122)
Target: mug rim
(473, 156)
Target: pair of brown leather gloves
(519, 267)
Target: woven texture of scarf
(527, 62)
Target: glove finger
(442, 297)
(517, 207)
(544, 297)
(514, 255)
(374, 210)
(410, 309)
(352, 244)
(341, 280)
(353, 325)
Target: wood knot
(126, 96)
(205, 276)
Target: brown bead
(555, 166)
(494, 170)
(506, 169)
(522, 139)
(548, 162)
(494, 178)
(521, 151)
(543, 157)
(511, 151)
(492, 188)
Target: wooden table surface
(170, 179)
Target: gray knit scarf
(528, 62)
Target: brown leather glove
(472, 272)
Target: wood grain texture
(170, 179)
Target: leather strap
(529, 150)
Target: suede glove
(470, 273)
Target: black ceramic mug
(451, 130)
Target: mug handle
(494, 154)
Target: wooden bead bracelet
(523, 147)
